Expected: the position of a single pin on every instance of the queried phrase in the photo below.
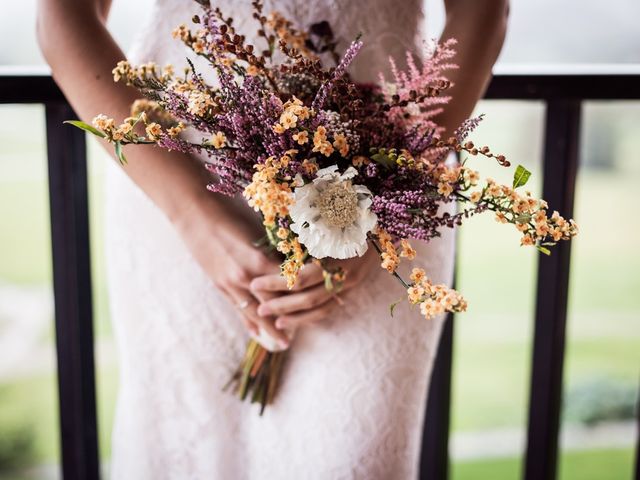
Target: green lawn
(586, 465)
(32, 403)
(492, 349)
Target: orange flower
(301, 137)
(154, 131)
(415, 294)
(417, 275)
(444, 189)
(526, 240)
(218, 140)
(407, 250)
(501, 218)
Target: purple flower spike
(340, 70)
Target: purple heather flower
(340, 70)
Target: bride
(187, 286)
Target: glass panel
(552, 32)
(603, 342)
(28, 388)
(105, 349)
(493, 339)
(17, 28)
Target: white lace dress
(353, 394)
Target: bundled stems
(258, 375)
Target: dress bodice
(388, 27)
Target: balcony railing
(563, 95)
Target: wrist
(195, 212)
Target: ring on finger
(244, 304)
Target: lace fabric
(353, 390)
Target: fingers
(295, 302)
(248, 312)
(309, 275)
(260, 264)
(264, 296)
(295, 320)
(255, 322)
(268, 325)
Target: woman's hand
(309, 301)
(222, 245)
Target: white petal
(350, 173)
(326, 171)
(320, 239)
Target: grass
(32, 403)
(492, 349)
(585, 465)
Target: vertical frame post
(66, 150)
(562, 137)
(637, 466)
(434, 460)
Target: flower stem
(394, 273)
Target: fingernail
(281, 323)
(263, 310)
(283, 344)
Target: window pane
(28, 386)
(493, 338)
(566, 32)
(603, 341)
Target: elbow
(56, 20)
(490, 15)
(44, 31)
(495, 15)
(486, 21)
(502, 16)
(500, 23)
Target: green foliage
(601, 399)
(582, 465)
(17, 436)
(120, 153)
(521, 176)
(86, 127)
(544, 250)
(393, 306)
(385, 157)
(16, 447)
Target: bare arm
(480, 27)
(81, 52)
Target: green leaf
(120, 153)
(328, 283)
(383, 159)
(523, 218)
(521, 177)
(544, 250)
(393, 306)
(86, 127)
(261, 242)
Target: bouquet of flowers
(334, 167)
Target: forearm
(82, 53)
(480, 27)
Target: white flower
(332, 216)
